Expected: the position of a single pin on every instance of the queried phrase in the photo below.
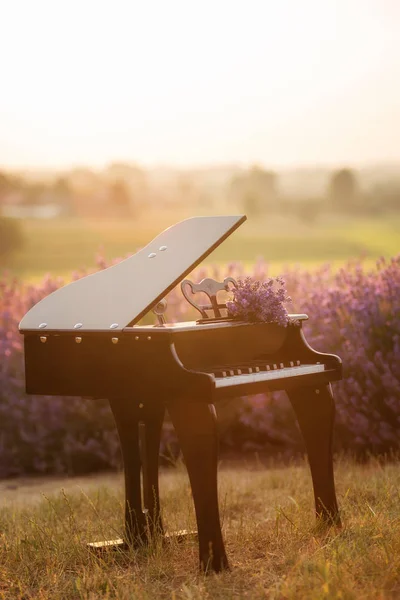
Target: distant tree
(343, 190)
(134, 178)
(120, 198)
(264, 182)
(9, 183)
(61, 186)
(83, 181)
(4, 186)
(62, 194)
(35, 193)
(255, 190)
(251, 206)
(125, 171)
(4, 182)
(185, 191)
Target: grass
(61, 246)
(275, 549)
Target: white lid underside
(122, 294)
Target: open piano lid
(120, 295)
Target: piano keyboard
(246, 375)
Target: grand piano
(84, 340)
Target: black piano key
(219, 373)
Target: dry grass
(275, 549)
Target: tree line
(258, 191)
(125, 190)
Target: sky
(198, 82)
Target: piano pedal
(123, 546)
(181, 536)
(109, 545)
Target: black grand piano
(82, 340)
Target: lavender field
(354, 312)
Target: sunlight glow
(184, 82)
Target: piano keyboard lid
(119, 296)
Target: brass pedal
(108, 546)
(180, 536)
(122, 546)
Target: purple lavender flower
(259, 301)
(354, 312)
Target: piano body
(82, 340)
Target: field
(60, 246)
(274, 547)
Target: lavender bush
(354, 313)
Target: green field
(275, 549)
(60, 246)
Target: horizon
(52, 169)
(185, 87)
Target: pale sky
(185, 82)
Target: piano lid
(120, 295)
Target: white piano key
(268, 375)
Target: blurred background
(118, 119)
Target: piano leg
(315, 412)
(126, 419)
(196, 428)
(150, 435)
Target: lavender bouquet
(259, 301)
